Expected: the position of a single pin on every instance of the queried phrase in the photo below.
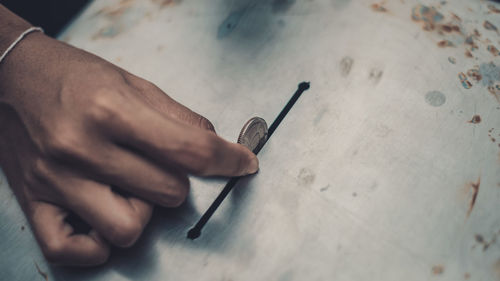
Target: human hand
(72, 126)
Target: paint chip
(476, 119)
(438, 269)
(379, 8)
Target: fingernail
(254, 166)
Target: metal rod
(195, 232)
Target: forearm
(11, 26)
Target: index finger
(169, 141)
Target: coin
(254, 134)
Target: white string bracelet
(21, 37)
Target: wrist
(11, 26)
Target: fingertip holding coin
(253, 136)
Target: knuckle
(204, 123)
(148, 86)
(100, 257)
(37, 173)
(125, 231)
(54, 250)
(176, 195)
(102, 107)
(62, 143)
(204, 155)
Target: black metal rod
(195, 232)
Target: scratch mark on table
(324, 188)
(346, 66)
(43, 274)
(376, 75)
(475, 191)
(306, 176)
(480, 240)
(492, 138)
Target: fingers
(164, 104)
(131, 172)
(58, 243)
(169, 141)
(119, 220)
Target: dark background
(51, 15)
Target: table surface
(379, 172)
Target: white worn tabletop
(388, 168)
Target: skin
(73, 125)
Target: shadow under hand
(220, 231)
(139, 261)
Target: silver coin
(254, 133)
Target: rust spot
(379, 7)
(428, 16)
(115, 10)
(476, 33)
(469, 40)
(491, 136)
(476, 119)
(455, 17)
(489, 26)
(43, 274)
(475, 190)
(467, 276)
(493, 9)
(465, 82)
(449, 28)
(495, 91)
(445, 43)
(468, 54)
(474, 74)
(493, 50)
(438, 269)
(165, 3)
